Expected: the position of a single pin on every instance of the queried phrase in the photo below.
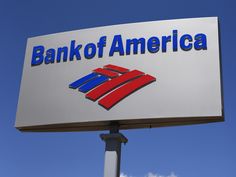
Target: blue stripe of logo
(93, 83)
(83, 80)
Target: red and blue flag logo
(110, 84)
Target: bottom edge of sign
(123, 124)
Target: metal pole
(113, 142)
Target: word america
(132, 46)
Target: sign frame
(129, 123)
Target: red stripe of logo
(112, 84)
(105, 72)
(125, 90)
(116, 68)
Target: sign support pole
(113, 142)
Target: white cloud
(150, 175)
(123, 175)
(172, 175)
(157, 175)
(153, 175)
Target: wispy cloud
(157, 175)
(150, 175)
(123, 175)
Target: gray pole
(113, 142)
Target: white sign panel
(138, 75)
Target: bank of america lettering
(110, 84)
(119, 46)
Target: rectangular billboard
(138, 75)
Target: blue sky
(184, 151)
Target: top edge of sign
(121, 24)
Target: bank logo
(111, 84)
